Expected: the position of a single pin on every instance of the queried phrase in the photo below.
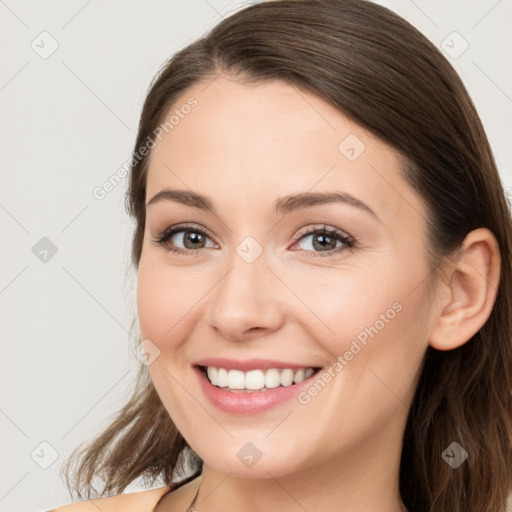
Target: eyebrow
(283, 205)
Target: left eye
(324, 240)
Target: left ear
(469, 291)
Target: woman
(324, 253)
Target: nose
(246, 302)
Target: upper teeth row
(257, 379)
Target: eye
(192, 238)
(325, 241)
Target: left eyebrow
(291, 203)
(283, 205)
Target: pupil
(323, 238)
(194, 237)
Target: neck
(366, 478)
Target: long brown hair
(382, 73)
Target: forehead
(246, 144)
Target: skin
(244, 146)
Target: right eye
(189, 235)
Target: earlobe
(471, 290)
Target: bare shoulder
(181, 497)
(144, 501)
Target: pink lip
(249, 403)
(248, 364)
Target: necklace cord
(191, 507)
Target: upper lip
(248, 364)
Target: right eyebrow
(188, 198)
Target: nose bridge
(245, 297)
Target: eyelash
(163, 237)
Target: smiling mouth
(238, 381)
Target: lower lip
(249, 403)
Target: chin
(241, 457)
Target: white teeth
(272, 378)
(255, 380)
(213, 375)
(299, 376)
(286, 377)
(236, 379)
(222, 378)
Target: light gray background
(68, 122)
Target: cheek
(373, 329)
(343, 302)
(371, 317)
(162, 305)
(150, 303)
(169, 301)
(158, 306)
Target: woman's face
(256, 292)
